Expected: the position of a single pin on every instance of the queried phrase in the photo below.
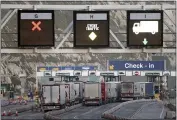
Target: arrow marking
(145, 41)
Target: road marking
(162, 112)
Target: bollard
(25, 102)
(9, 113)
(4, 113)
(16, 113)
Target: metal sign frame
(144, 11)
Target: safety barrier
(15, 111)
(4, 103)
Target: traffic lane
(87, 112)
(152, 111)
(128, 110)
(96, 112)
(75, 112)
(26, 115)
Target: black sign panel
(35, 28)
(91, 29)
(145, 28)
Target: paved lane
(87, 112)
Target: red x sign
(36, 26)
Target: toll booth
(156, 78)
(66, 77)
(110, 77)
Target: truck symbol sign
(145, 26)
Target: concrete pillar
(23, 83)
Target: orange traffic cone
(4, 113)
(9, 113)
(16, 113)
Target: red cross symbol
(36, 26)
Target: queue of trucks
(61, 94)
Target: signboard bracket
(34, 7)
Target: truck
(113, 92)
(52, 97)
(145, 26)
(94, 93)
(127, 90)
(70, 93)
(143, 90)
(78, 88)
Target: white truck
(127, 90)
(94, 93)
(52, 97)
(69, 93)
(78, 89)
(145, 26)
(113, 91)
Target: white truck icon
(145, 26)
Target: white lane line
(162, 112)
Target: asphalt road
(26, 115)
(128, 110)
(150, 110)
(6, 108)
(87, 112)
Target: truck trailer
(52, 97)
(143, 90)
(78, 87)
(113, 91)
(127, 90)
(94, 93)
(70, 93)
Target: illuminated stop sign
(137, 73)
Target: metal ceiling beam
(169, 27)
(64, 39)
(94, 7)
(75, 51)
(160, 50)
(8, 18)
(69, 30)
(115, 37)
(5, 17)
